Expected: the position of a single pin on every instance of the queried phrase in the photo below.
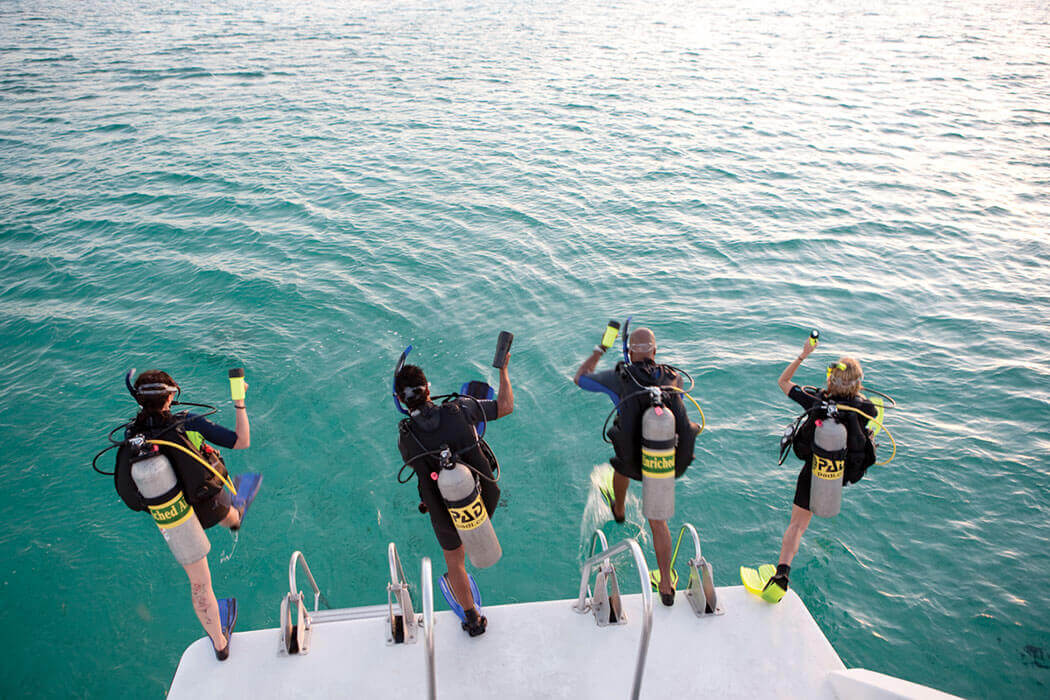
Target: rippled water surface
(304, 189)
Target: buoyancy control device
(199, 468)
(433, 436)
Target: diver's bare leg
(662, 546)
(204, 603)
(800, 518)
(455, 560)
(620, 483)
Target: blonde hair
(845, 383)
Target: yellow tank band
(172, 513)
(658, 464)
(828, 469)
(470, 516)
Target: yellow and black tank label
(470, 516)
(658, 464)
(172, 513)
(829, 469)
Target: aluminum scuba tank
(462, 494)
(828, 465)
(173, 515)
(658, 448)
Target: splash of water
(226, 556)
(597, 515)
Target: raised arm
(505, 397)
(590, 364)
(785, 382)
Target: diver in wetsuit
(843, 388)
(620, 384)
(212, 505)
(430, 427)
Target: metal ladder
(606, 604)
(402, 621)
(700, 590)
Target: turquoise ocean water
(304, 189)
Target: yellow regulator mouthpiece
(237, 384)
(814, 336)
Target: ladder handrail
(297, 557)
(700, 591)
(647, 598)
(598, 538)
(696, 541)
(397, 574)
(428, 625)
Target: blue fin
(227, 615)
(479, 390)
(450, 598)
(247, 486)
(227, 621)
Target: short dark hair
(411, 376)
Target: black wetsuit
(860, 451)
(449, 424)
(626, 431)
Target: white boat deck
(536, 650)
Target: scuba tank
(175, 518)
(462, 495)
(828, 465)
(658, 459)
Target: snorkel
(626, 334)
(393, 385)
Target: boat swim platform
(714, 642)
(535, 650)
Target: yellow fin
(749, 577)
(654, 579)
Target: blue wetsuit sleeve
(606, 382)
(215, 434)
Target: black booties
(475, 624)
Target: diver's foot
(777, 585)
(667, 597)
(224, 653)
(780, 578)
(247, 486)
(475, 624)
(227, 623)
(609, 496)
